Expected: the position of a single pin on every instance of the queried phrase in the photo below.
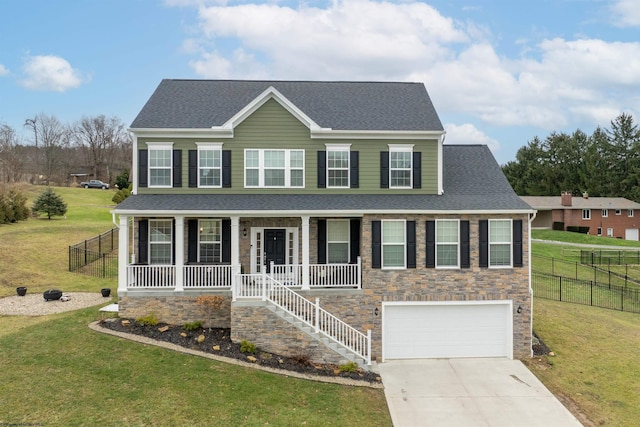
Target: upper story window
(209, 165)
(274, 168)
(160, 237)
(210, 241)
(160, 164)
(586, 214)
(500, 242)
(338, 241)
(400, 166)
(630, 213)
(618, 212)
(338, 166)
(447, 243)
(605, 213)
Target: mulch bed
(220, 338)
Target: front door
(274, 247)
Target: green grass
(56, 371)
(596, 359)
(569, 237)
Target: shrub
(558, 226)
(50, 203)
(122, 180)
(348, 367)
(121, 195)
(248, 347)
(192, 326)
(577, 229)
(209, 304)
(148, 320)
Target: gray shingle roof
(555, 202)
(473, 181)
(385, 106)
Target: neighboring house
(604, 216)
(290, 198)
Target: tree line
(604, 164)
(57, 153)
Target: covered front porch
(204, 253)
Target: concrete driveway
(469, 392)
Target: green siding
(272, 126)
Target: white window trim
(605, 213)
(586, 214)
(151, 243)
(618, 211)
(510, 242)
(347, 241)
(449, 267)
(209, 146)
(401, 148)
(609, 232)
(630, 213)
(157, 146)
(599, 231)
(214, 242)
(404, 244)
(287, 168)
(339, 147)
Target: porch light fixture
(519, 310)
(376, 311)
(244, 232)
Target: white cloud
(626, 13)
(468, 134)
(3, 70)
(50, 73)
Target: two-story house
(330, 216)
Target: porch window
(210, 241)
(500, 243)
(338, 241)
(393, 244)
(160, 237)
(160, 165)
(338, 167)
(209, 165)
(274, 168)
(447, 243)
(400, 166)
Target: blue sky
(499, 72)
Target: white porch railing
(320, 275)
(151, 276)
(207, 276)
(266, 288)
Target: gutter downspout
(531, 218)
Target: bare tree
(101, 138)
(11, 162)
(50, 137)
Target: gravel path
(35, 305)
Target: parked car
(95, 183)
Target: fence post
(591, 295)
(104, 266)
(560, 299)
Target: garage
(415, 330)
(631, 234)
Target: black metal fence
(610, 257)
(585, 292)
(96, 256)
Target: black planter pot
(21, 290)
(105, 292)
(52, 294)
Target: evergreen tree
(50, 203)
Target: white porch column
(123, 253)
(305, 253)
(179, 254)
(235, 241)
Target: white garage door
(631, 234)
(447, 330)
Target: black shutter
(193, 168)
(226, 168)
(226, 240)
(177, 168)
(431, 244)
(192, 240)
(384, 169)
(322, 241)
(143, 164)
(417, 170)
(354, 171)
(411, 244)
(376, 244)
(322, 169)
(465, 254)
(484, 242)
(517, 243)
(143, 241)
(354, 240)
